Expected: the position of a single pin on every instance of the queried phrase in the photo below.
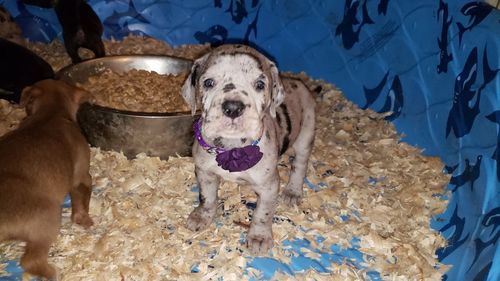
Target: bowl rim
(129, 113)
(105, 58)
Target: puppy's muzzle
(233, 108)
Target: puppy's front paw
(82, 219)
(36, 270)
(200, 219)
(290, 197)
(259, 243)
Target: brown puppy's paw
(200, 219)
(289, 197)
(39, 271)
(82, 219)
(259, 243)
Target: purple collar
(233, 160)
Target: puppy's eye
(260, 85)
(208, 83)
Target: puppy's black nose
(232, 108)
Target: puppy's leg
(92, 27)
(80, 199)
(260, 235)
(95, 45)
(292, 193)
(203, 215)
(34, 260)
(72, 46)
(42, 234)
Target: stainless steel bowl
(156, 134)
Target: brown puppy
(46, 158)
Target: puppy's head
(53, 95)
(236, 87)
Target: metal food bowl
(156, 134)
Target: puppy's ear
(277, 91)
(188, 90)
(28, 95)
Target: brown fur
(42, 161)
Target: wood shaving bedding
(10, 116)
(361, 182)
(137, 90)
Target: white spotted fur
(259, 120)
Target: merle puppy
(249, 117)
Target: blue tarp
(433, 63)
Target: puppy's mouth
(232, 125)
(229, 133)
(227, 140)
(227, 128)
